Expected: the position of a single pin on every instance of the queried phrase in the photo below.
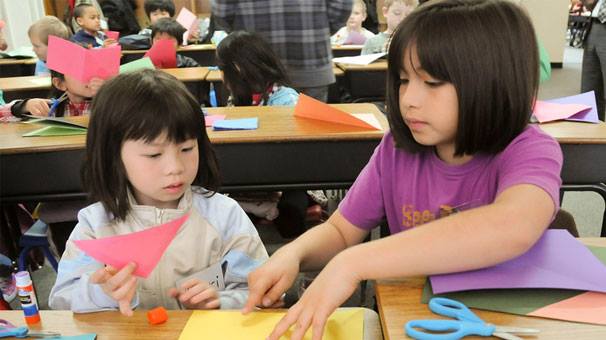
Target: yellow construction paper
(218, 324)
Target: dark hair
(487, 49)
(249, 66)
(170, 26)
(141, 105)
(163, 5)
(79, 10)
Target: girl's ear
(79, 21)
(59, 83)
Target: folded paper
(310, 108)
(236, 124)
(163, 54)
(580, 108)
(144, 248)
(136, 65)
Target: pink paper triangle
(145, 248)
(163, 54)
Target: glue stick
(27, 296)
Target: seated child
(3, 45)
(75, 101)
(393, 11)
(90, 34)
(167, 28)
(353, 33)
(165, 168)
(155, 10)
(38, 34)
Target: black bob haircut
(79, 10)
(163, 5)
(170, 26)
(249, 66)
(141, 105)
(487, 49)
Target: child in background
(74, 98)
(394, 11)
(166, 168)
(90, 34)
(3, 45)
(353, 27)
(459, 137)
(167, 28)
(38, 34)
(156, 10)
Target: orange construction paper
(145, 248)
(311, 108)
(588, 307)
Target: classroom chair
(36, 237)
(599, 188)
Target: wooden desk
(366, 82)
(399, 301)
(39, 87)
(114, 326)
(346, 50)
(284, 153)
(13, 67)
(204, 54)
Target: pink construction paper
(588, 307)
(587, 98)
(186, 18)
(355, 38)
(145, 248)
(163, 54)
(557, 260)
(113, 35)
(209, 120)
(81, 63)
(546, 111)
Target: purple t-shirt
(412, 189)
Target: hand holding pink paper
(144, 248)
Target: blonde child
(394, 11)
(353, 33)
(462, 78)
(38, 34)
(149, 161)
(90, 33)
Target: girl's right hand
(269, 282)
(38, 106)
(121, 285)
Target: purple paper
(355, 38)
(587, 98)
(557, 260)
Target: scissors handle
(453, 309)
(459, 329)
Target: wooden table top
(27, 83)
(113, 325)
(214, 76)
(196, 47)
(400, 301)
(379, 65)
(276, 124)
(18, 61)
(347, 47)
(575, 132)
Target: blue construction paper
(236, 124)
(557, 260)
(88, 336)
(587, 98)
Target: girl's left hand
(95, 84)
(327, 292)
(196, 294)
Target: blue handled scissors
(55, 103)
(467, 323)
(7, 329)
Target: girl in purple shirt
(462, 79)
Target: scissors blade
(516, 330)
(506, 336)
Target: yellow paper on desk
(218, 324)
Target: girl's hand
(121, 285)
(95, 84)
(267, 284)
(326, 293)
(109, 42)
(38, 106)
(196, 294)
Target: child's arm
(73, 289)
(468, 240)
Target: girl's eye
(403, 81)
(434, 83)
(188, 149)
(155, 155)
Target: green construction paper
(54, 121)
(50, 131)
(139, 64)
(513, 301)
(88, 336)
